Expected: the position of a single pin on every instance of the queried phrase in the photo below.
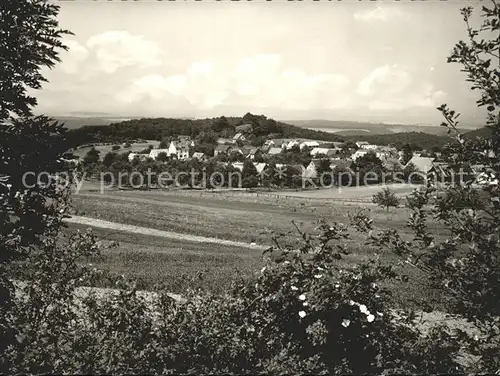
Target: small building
(260, 167)
(366, 145)
(392, 165)
(269, 143)
(180, 149)
(239, 137)
(199, 156)
(225, 141)
(290, 144)
(244, 128)
(358, 154)
(225, 149)
(155, 152)
(254, 152)
(309, 144)
(340, 164)
(274, 151)
(422, 164)
(328, 152)
(311, 171)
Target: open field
(362, 193)
(113, 226)
(236, 216)
(104, 149)
(178, 265)
(175, 264)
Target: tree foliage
(30, 40)
(386, 198)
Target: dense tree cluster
(204, 130)
(418, 140)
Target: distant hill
(160, 128)
(419, 139)
(74, 122)
(481, 132)
(352, 128)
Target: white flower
(337, 286)
(302, 314)
(476, 338)
(302, 297)
(319, 268)
(318, 276)
(370, 318)
(352, 302)
(294, 288)
(363, 309)
(331, 228)
(305, 304)
(346, 323)
(380, 314)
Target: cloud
(254, 71)
(389, 79)
(72, 58)
(264, 82)
(257, 81)
(116, 49)
(391, 87)
(200, 68)
(196, 87)
(380, 14)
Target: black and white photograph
(249, 187)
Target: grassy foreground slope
(240, 217)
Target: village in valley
(308, 161)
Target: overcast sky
(349, 60)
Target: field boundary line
(94, 222)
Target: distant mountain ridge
(339, 127)
(353, 128)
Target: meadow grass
(104, 149)
(178, 265)
(235, 217)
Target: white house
(329, 152)
(199, 156)
(358, 153)
(422, 164)
(274, 151)
(310, 144)
(258, 166)
(180, 149)
(290, 144)
(365, 145)
(225, 141)
(155, 152)
(239, 137)
(269, 143)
